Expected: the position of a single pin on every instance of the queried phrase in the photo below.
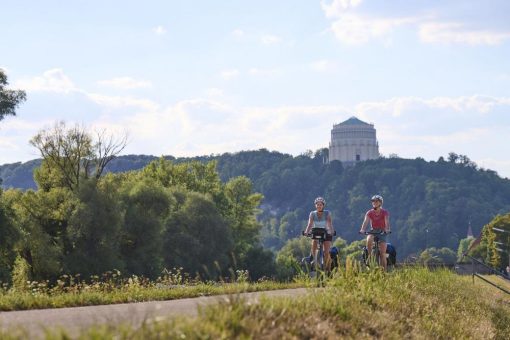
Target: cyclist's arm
(364, 225)
(329, 224)
(310, 224)
(387, 223)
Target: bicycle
(319, 234)
(376, 255)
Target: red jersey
(378, 218)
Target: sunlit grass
(110, 288)
(407, 303)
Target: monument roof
(353, 121)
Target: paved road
(76, 319)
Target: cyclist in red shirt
(379, 220)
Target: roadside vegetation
(111, 288)
(408, 303)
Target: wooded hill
(431, 203)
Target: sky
(189, 78)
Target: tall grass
(412, 303)
(111, 287)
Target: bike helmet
(377, 198)
(319, 199)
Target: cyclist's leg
(314, 250)
(370, 244)
(382, 253)
(327, 258)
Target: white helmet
(377, 198)
(319, 199)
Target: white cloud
(125, 83)
(324, 65)
(356, 30)
(238, 33)
(54, 80)
(159, 30)
(270, 39)
(254, 71)
(214, 92)
(455, 33)
(338, 7)
(399, 106)
(229, 74)
(115, 102)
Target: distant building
(353, 141)
(470, 231)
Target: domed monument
(353, 141)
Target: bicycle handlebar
(372, 232)
(310, 234)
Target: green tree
(9, 99)
(21, 275)
(9, 236)
(437, 256)
(291, 225)
(288, 259)
(192, 176)
(196, 236)
(496, 238)
(260, 263)
(42, 220)
(464, 245)
(146, 205)
(242, 209)
(94, 230)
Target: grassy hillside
(411, 303)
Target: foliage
(259, 263)
(196, 236)
(72, 154)
(9, 99)
(242, 206)
(146, 207)
(288, 259)
(20, 275)
(9, 235)
(496, 241)
(437, 256)
(94, 231)
(464, 245)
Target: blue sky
(188, 78)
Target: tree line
(166, 215)
(431, 203)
